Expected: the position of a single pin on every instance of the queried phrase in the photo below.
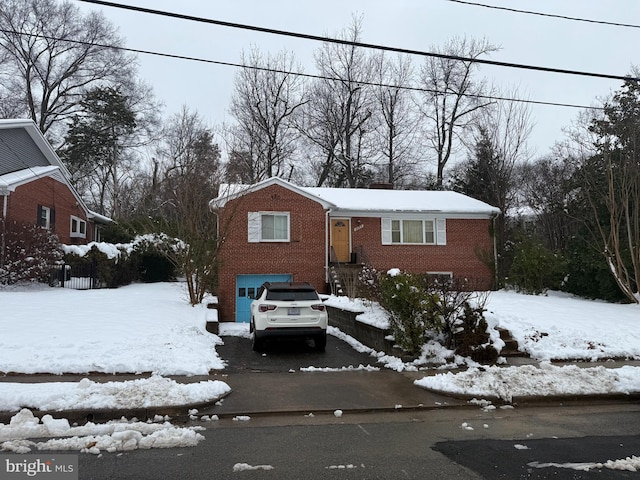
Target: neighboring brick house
(34, 186)
(277, 231)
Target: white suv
(288, 309)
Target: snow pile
(230, 329)
(132, 329)
(350, 368)
(142, 393)
(115, 436)
(244, 467)
(630, 464)
(547, 380)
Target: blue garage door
(246, 288)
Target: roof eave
(442, 213)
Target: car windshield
(292, 295)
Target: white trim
(254, 227)
(439, 229)
(79, 221)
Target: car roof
(288, 286)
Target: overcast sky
(411, 24)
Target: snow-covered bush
(27, 253)
(471, 337)
(123, 263)
(412, 310)
(421, 307)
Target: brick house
(35, 188)
(277, 231)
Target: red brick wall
(23, 207)
(303, 257)
(467, 242)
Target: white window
(45, 217)
(268, 227)
(78, 228)
(414, 231)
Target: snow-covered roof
(412, 201)
(371, 202)
(10, 181)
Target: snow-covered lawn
(147, 328)
(133, 329)
(560, 327)
(547, 327)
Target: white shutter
(254, 230)
(386, 231)
(441, 231)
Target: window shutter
(441, 231)
(40, 220)
(386, 231)
(254, 223)
(52, 219)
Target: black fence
(78, 277)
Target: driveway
(272, 382)
(289, 354)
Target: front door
(246, 289)
(341, 239)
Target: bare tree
(266, 100)
(397, 128)
(338, 117)
(185, 177)
(507, 127)
(52, 54)
(451, 96)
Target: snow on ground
(155, 391)
(546, 379)
(560, 327)
(151, 328)
(132, 329)
(548, 327)
(114, 436)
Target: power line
(306, 36)
(542, 14)
(300, 74)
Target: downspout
(326, 245)
(495, 252)
(5, 195)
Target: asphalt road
(373, 439)
(400, 445)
